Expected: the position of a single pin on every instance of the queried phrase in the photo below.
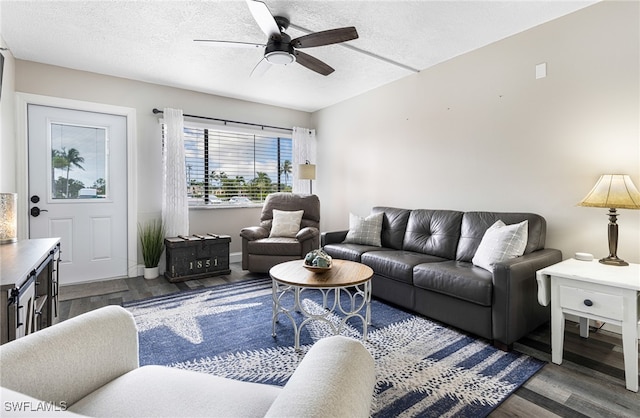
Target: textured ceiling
(152, 41)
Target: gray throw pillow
(501, 242)
(366, 231)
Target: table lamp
(8, 218)
(613, 191)
(307, 171)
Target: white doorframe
(22, 163)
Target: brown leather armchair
(260, 252)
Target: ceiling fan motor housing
(279, 50)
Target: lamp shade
(8, 218)
(613, 191)
(307, 171)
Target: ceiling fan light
(280, 57)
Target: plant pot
(150, 272)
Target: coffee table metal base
(358, 300)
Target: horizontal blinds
(222, 164)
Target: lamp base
(613, 261)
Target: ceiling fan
(280, 49)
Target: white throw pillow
(501, 242)
(286, 223)
(366, 231)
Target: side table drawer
(589, 301)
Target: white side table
(592, 290)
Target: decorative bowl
(315, 257)
(317, 269)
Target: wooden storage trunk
(196, 256)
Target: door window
(78, 164)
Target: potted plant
(152, 242)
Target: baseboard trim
(235, 257)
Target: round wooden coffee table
(344, 278)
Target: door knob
(35, 211)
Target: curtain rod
(156, 111)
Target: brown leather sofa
(424, 265)
(261, 252)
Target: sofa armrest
(252, 233)
(307, 233)
(516, 310)
(65, 362)
(334, 237)
(335, 379)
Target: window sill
(224, 206)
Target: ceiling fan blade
(261, 67)
(263, 17)
(313, 63)
(325, 37)
(231, 44)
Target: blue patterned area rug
(423, 368)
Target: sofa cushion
(286, 223)
(397, 264)
(501, 242)
(474, 225)
(275, 246)
(365, 231)
(434, 232)
(394, 225)
(456, 278)
(351, 252)
(156, 391)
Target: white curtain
(304, 149)
(175, 207)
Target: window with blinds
(234, 168)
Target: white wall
(479, 132)
(54, 81)
(7, 125)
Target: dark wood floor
(589, 383)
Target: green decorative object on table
(317, 261)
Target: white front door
(78, 189)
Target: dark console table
(28, 286)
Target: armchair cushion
(158, 391)
(286, 223)
(275, 246)
(310, 204)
